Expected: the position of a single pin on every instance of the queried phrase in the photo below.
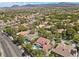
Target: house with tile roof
(23, 33)
(65, 50)
(28, 36)
(43, 43)
(32, 36)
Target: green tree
(76, 27)
(20, 39)
(53, 54)
(21, 28)
(64, 36)
(38, 53)
(28, 47)
(70, 33)
(53, 29)
(9, 30)
(76, 37)
(45, 33)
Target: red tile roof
(45, 43)
(46, 47)
(63, 49)
(42, 40)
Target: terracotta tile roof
(24, 33)
(46, 48)
(45, 43)
(42, 40)
(63, 49)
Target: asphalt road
(10, 49)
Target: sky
(9, 4)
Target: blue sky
(9, 4)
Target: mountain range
(51, 4)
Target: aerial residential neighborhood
(40, 30)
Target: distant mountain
(15, 6)
(68, 4)
(46, 5)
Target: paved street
(10, 49)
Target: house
(72, 24)
(23, 33)
(65, 50)
(60, 30)
(41, 25)
(48, 26)
(45, 23)
(44, 44)
(28, 36)
(32, 36)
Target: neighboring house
(43, 43)
(48, 26)
(28, 36)
(65, 50)
(60, 30)
(41, 26)
(72, 24)
(44, 24)
(23, 33)
(32, 36)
